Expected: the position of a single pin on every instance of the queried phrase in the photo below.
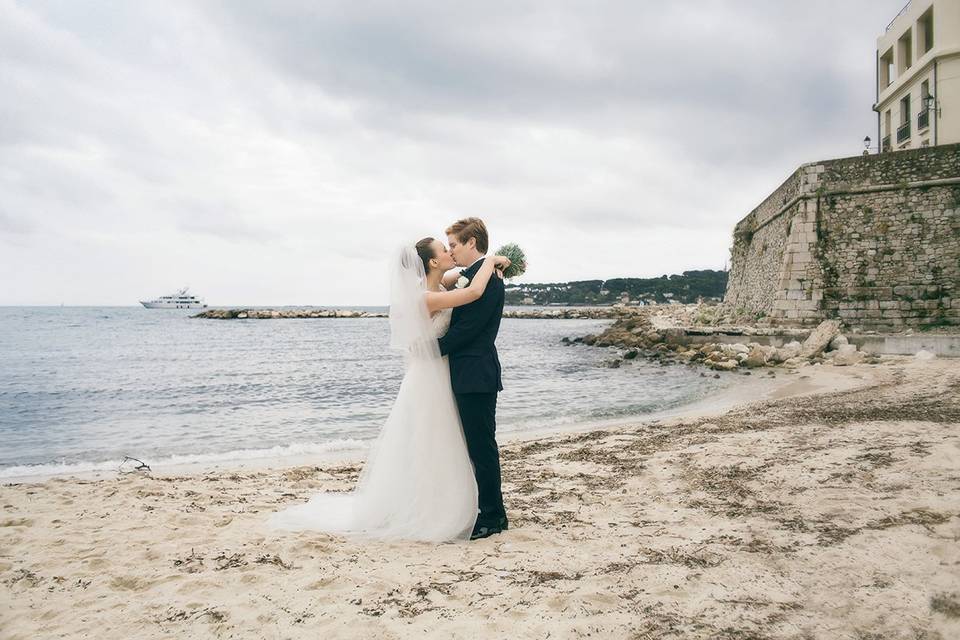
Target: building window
(886, 69)
(903, 131)
(905, 52)
(925, 31)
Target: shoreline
(790, 383)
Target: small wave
(80, 467)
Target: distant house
(917, 70)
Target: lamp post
(929, 103)
(867, 147)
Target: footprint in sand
(17, 522)
(130, 583)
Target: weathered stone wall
(760, 241)
(871, 240)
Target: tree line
(684, 288)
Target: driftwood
(143, 466)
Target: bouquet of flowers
(518, 260)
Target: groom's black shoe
(503, 523)
(484, 531)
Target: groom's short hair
(467, 228)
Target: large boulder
(786, 352)
(739, 348)
(756, 358)
(846, 355)
(726, 365)
(819, 338)
(838, 342)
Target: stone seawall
(873, 241)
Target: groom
(475, 372)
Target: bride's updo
(425, 251)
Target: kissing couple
(433, 473)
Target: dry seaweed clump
(946, 603)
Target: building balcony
(903, 132)
(923, 119)
(885, 144)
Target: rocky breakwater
(637, 337)
(561, 313)
(572, 313)
(273, 314)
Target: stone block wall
(871, 240)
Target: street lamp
(867, 147)
(929, 102)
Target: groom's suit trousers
(478, 414)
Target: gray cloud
(246, 146)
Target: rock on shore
(642, 334)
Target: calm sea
(82, 387)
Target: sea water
(83, 387)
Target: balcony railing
(902, 11)
(923, 119)
(903, 132)
(885, 144)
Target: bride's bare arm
(450, 279)
(437, 300)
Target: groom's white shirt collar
(474, 262)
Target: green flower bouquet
(518, 260)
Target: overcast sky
(274, 152)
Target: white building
(918, 76)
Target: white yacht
(179, 300)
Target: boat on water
(182, 299)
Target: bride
(418, 481)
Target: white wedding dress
(417, 482)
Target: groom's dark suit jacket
(474, 365)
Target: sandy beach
(825, 506)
